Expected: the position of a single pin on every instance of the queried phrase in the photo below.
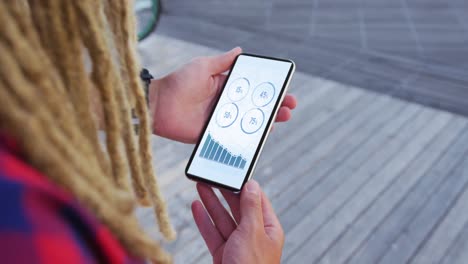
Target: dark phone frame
(265, 132)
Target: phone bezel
(265, 132)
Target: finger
(210, 234)
(220, 79)
(251, 206)
(289, 101)
(221, 63)
(284, 114)
(233, 201)
(270, 220)
(221, 218)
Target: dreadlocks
(64, 64)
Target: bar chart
(214, 151)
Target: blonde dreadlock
(46, 102)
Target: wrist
(155, 91)
(153, 101)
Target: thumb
(221, 63)
(251, 206)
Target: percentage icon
(253, 121)
(227, 115)
(263, 94)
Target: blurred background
(373, 167)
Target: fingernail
(236, 48)
(252, 187)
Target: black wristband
(146, 77)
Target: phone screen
(231, 142)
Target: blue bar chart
(214, 151)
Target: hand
(182, 101)
(253, 236)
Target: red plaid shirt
(41, 223)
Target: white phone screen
(232, 137)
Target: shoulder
(41, 223)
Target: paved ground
(412, 49)
(356, 176)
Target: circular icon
(227, 114)
(252, 121)
(263, 94)
(238, 89)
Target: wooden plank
(382, 238)
(168, 55)
(304, 84)
(317, 120)
(354, 205)
(321, 124)
(377, 68)
(376, 142)
(166, 153)
(428, 218)
(458, 253)
(375, 159)
(333, 173)
(352, 77)
(435, 247)
(311, 101)
(362, 227)
(299, 181)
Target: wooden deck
(355, 176)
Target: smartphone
(234, 135)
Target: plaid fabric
(41, 223)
